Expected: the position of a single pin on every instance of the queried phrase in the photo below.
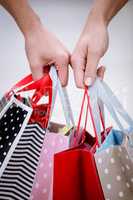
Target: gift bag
(56, 140)
(75, 173)
(114, 157)
(22, 131)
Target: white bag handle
(63, 96)
(92, 91)
(96, 93)
(117, 105)
(106, 100)
(112, 103)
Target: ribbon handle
(89, 109)
(41, 112)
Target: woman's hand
(93, 42)
(43, 48)
(92, 45)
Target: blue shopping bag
(115, 137)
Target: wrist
(97, 17)
(103, 11)
(32, 25)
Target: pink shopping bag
(43, 182)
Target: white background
(66, 19)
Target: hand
(92, 45)
(43, 48)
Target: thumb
(91, 68)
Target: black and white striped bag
(20, 147)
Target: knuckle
(97, 51)
(74, 59)
(63, 56)
(34, 65)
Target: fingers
(77, 63)
(85, 70)
(85, 73)
(37, 71)
(91, 68)
(101, 72)
(62, 63)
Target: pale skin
(43, 48)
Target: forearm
(23, 14)
(106, 9)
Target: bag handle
(117, 105)
(41, 87)
(102, 115)
(105, 98)
(86, 118)
(63, 97)
(98, 111)
(113, 103)
(22, 83)
(96, 93)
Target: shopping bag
(75, 173)
(56, 140)
(42, 187)
(114, 157)
(115, 169)
(13, 120)
(25, 131)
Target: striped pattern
(17, 179)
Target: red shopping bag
(41, 87)
(75, 173)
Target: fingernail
(88, 81)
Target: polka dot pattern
(22, 165)
(42, 187)
(115, 168)
(10, 127)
